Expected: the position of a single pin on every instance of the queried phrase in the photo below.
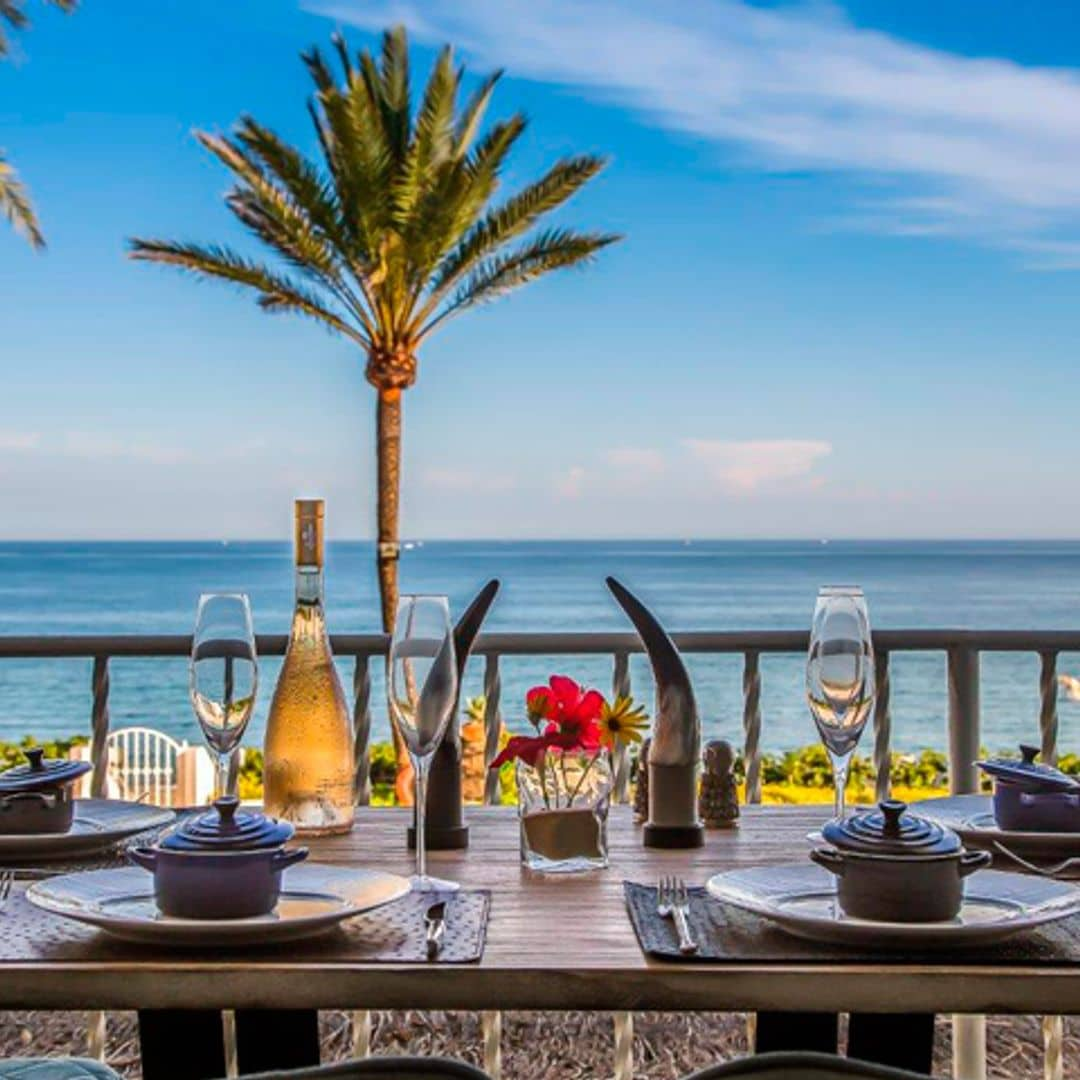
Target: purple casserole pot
(225, 864)
(1030, 797)
(38, 797)
(892, 866)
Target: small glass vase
(563, 809)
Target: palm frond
(275, 291)
(516, 216)
(15, 205)
(13, 16)
(554, 249)
(395, 97)
(472, 116)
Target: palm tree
(14, 201)
(393, 232)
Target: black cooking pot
(892, 866)
(225, 864)
(1031, 797)
(38, 797)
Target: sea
(131, 588)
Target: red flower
(573, 712)
(528, 748)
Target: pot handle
(47, 799)
(971, 861)
(146, 857)
(284, 858)
(832, 860)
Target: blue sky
(845, 305)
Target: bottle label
(309, 532)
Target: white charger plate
(972, 818)
(314, 899)
(98, 825)
(801, 899)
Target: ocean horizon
(114, 587)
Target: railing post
(882, 726)
(1048, 714)
(969, 1032)
(99, 728)
(963, 720)
(751, 686)
(362, 730)
(492, 727)
(620, 687)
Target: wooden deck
(553, 943)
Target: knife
(435, 925)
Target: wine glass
(224, 676)
(840, 677)
(422, 688)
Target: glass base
(426, 883)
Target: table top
(554, 942)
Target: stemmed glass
(224, 677)
(840, 677)
(421, 688)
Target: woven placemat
(391, 934)
(728, 933)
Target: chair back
(400, 1068)
(143, 765)
(805, 1066)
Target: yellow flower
(622, 722)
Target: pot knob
(1028, 754)
(35, 757)
(226, 807)
(891, 811)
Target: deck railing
(962, 649)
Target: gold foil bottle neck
(309, 532)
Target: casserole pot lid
(1029, 774)
(41, 773)
(228, 828)
(890, 830)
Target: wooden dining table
(553, 943)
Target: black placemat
(391, 934)
(727, 933)
(109, 858)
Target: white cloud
(639, 460)
(571, 483)
(978, 147)
(466, 481)
(19, 440)
(744, 467)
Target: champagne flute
(422, 688)
(840, 677)
(224, 677)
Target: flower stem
(581, 779)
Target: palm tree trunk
(388, 458)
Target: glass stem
(420, 768)
(840, 775)
(221, 778)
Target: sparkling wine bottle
(308, 753)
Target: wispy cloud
(742, 468)
(638, 460)
(571, 483)
(466, 481)
(19, 440)
(983, 148)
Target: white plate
(801, 898)
(314, 899)
(98, 824)
(972, 817)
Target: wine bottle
(308, 751)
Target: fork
(6, 879)
(1046, 871)
(673, 901)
